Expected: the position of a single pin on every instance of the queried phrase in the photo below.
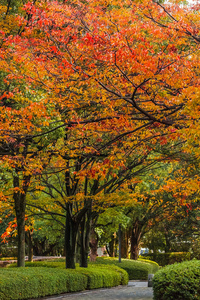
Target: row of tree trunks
(88, 239)
(130, 235)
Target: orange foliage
(116, 78)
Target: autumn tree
(177, 232)
(83, 193)
(124, 73)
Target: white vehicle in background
(144, 251)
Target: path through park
(135, 290)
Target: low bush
(43, 278)
(136, 269)
(8, 258)
(164, 259)
(26, 283)
(104, 276)
(180, 281)
(6, 251)
(98, 276)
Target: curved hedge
(47, 278)
(180, 281)
(136, 269)
(26, 283)
(101, 272)
(104, 276)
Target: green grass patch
(178, 281)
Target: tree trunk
(124, 245)
(21, 237)
(83, 248)
(71, 230)
(167, 244)
(39, 247)
(135, 240)
(30, 245)
(112, 246)
(20, 206)
(85, 238)
(78, 247)
(134, 248)
(93, 245)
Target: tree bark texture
(30, 245)
(93, 245)
(136, 234)
(111, 251)
(71, 230)
(85, 238)
(124, 245)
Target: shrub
(101, 276)
(100, 271)
(137, 270)
(6, 251)
(26, 283)
(164, 259)
(43, 278)
(180, 281)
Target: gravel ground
(135, 290)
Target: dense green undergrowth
(101, 273)
(136, 269)
(50, 278)
(44, 278)
(164, 259)
(180, 281)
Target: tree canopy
(96, 92)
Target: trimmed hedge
(136, 269)
(178, 281)
(26, 283)
(50, 278)
(164, 259)
(98, 276)
(104, 276)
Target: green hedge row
(136, 269)
(26, 283)
(104, 276)
(52, 278)
(98, 275)
(178, 281)
(164, 259)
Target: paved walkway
(135, 290)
